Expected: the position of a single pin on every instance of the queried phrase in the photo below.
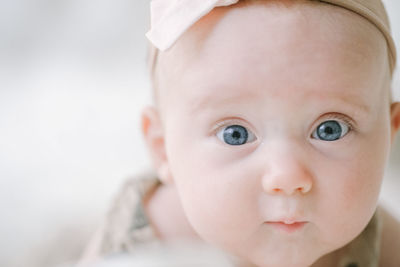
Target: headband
(171, 18)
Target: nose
(287, 175)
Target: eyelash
(338, 116)
(350, 123)
(225, 123)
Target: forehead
(276, 48)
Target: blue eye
(235, 135)
(330, 131)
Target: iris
(329, 131)
(235, 135)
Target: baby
(271, 129)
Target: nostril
(277, 190)
(300, 189)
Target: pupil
(236, 135)
(329, 130)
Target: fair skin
(317, 70)
(224, 79)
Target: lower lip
(287, 228)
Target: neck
(172, 225)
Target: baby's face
(277, 113)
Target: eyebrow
(359, 106)
(210, 100)
(349, 102)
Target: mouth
(287, 226)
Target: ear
(153, 133)
(394, 119)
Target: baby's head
(275, 111)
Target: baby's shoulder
(390, 242)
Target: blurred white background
(72, 83)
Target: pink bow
(171, 18)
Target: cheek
(348, 203)
(215, 191)
(365, 170)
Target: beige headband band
(171, 18)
